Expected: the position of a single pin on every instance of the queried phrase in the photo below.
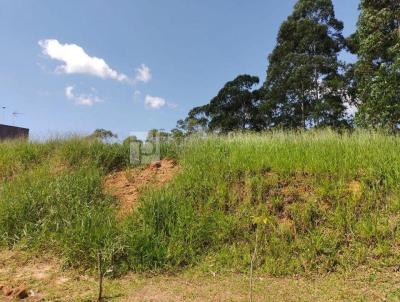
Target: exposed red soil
(16, 293)
(127, 185)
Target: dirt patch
(33, 279)
(127, 185)
(58, 284)
(17, 293)
(22, 275)
(332, 287)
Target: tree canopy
(305, 81)
(377, 44)
(307, 85)
(235, 107)
(103, 134)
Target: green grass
(51, 197)
(317, 201)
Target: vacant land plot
(321, 210)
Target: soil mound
(127, 185)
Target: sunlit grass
(318, 201)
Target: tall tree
(196, 121)
(305, 84)
(377, 44)
(236, 107)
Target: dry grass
(49, 282)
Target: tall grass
(318, 201)
(51, 197)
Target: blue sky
(130, 65)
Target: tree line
(307, 85)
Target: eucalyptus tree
(305, 84)
(236, 107)
(377, 71)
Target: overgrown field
(311, 202)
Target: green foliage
(305, 83)
(318, 200)
(108, 157)
(51, 198)
(66, 213)
(103, 134)
(18, 156)
(377, 71)
(158, 134)
(235, 108)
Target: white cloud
(143, 74)
(76, 60)
(154, 102)
(69, 92)
(81, 99)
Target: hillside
(311, 203)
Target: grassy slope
(317, 202)
(52, 199)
